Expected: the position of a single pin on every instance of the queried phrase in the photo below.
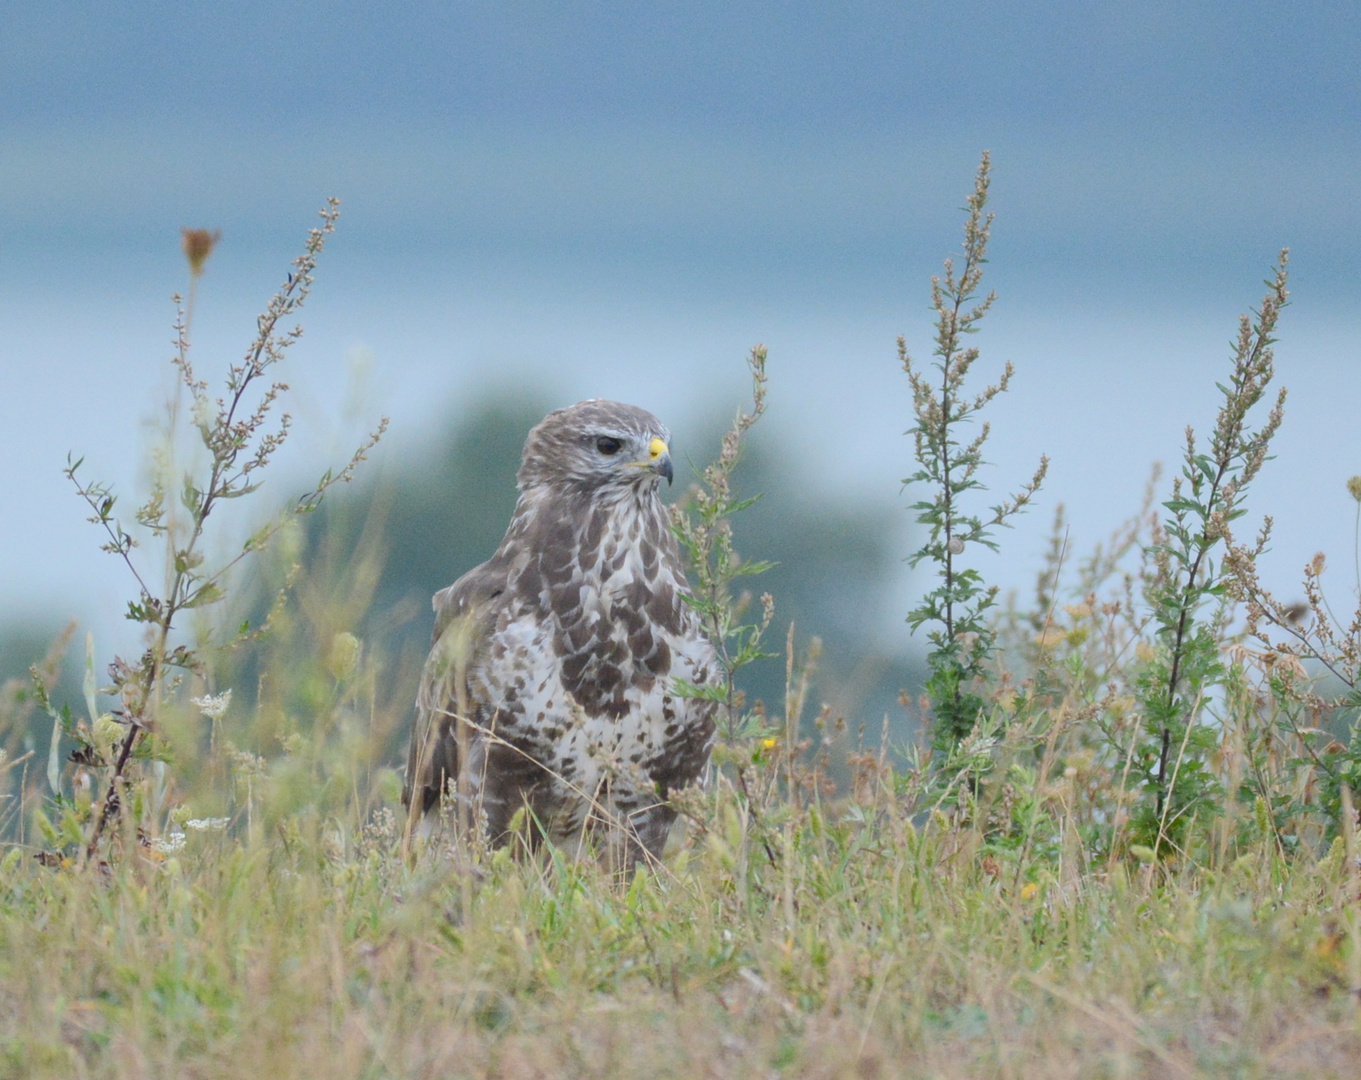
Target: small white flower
(169, 844)
(202, 824)
(213, 707)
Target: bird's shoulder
(476, 598)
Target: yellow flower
(1051, 636)
(769, 744)
(1029, 890)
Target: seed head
(1354, 488)
(344, 658)
(198, 244)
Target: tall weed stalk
(961, 635)
(702, 523)
(1189, 597)
(238, 435)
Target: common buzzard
(563, 650)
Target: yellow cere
(657, 448)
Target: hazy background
(544, 202)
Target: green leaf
(54, 756)
(207, 593)
(712, 692)
(738, 507)
(91, 685)
(187, 560)
(229, 492)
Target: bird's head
(597, 444)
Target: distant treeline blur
(382, 547)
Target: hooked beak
(659, 460)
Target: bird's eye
(608, 446)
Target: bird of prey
(562, 653)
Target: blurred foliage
(835, 559)
(54, 651)
(28, 641)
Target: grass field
(873, 948)
(1124, 844)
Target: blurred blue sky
(618, 199)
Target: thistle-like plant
(961, 638)
(240, 435)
